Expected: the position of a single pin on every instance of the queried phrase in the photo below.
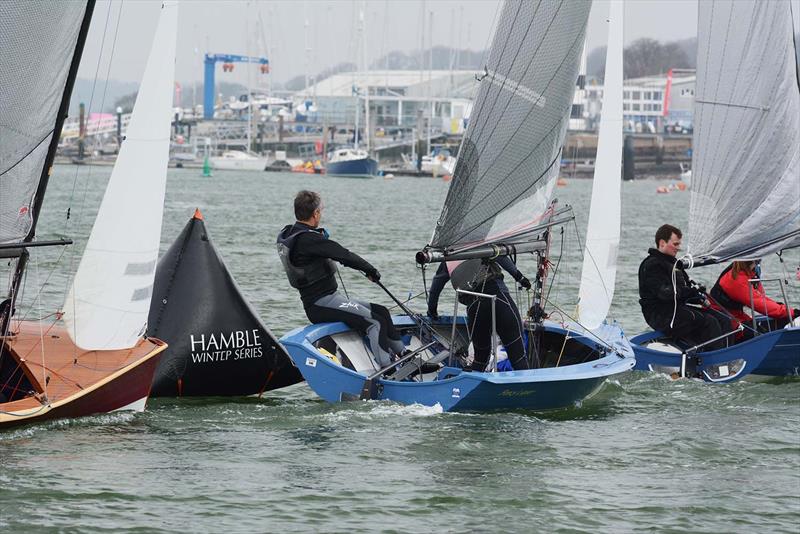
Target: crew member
(483, 276)
(308, 256)
(733, 291)
(668, 299)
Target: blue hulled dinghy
(500, 204)
(745, 199)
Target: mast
(38, 198)
(366, 78)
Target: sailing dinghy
(745, 201)
(97, 361)
(499, 203)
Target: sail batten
(109, 300)
(508, 160)
(745, 199)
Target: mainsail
(746, 165)
(510, 156)
(38, 42)
(602, 237)
(109, 300)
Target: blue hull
(774, 354)
(455, 390)
(361, 168)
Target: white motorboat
(236, 160)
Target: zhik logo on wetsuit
(348, 305)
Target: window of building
(626, 107)
(656, 107)
(636, 107)
(648, 95)
(626, 95)
(657, 95)
(637, 95)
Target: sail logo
(222, 347)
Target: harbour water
(645, 453)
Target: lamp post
(119, 127)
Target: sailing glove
(374, 275)
(524, 282)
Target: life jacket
(472, 275)
(722, 298)
(305, 276)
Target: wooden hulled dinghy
(69, 381)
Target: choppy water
(646, 453)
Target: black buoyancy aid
(472, 275)
(722, 298)
(302, 277)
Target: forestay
(37, 44)
(746, 166)
(602, 237)
(109, 300)
(509, 159)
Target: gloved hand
(524, 282)
(433, 314)
(374, 276)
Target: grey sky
(223, 26)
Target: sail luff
(599, 272)
(109, 300)
(746, 162)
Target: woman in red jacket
(732, 293)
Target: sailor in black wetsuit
(669, 302)
(308, 257)
(485, 277)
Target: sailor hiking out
(309, 258)
(485, 277)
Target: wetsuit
(659, 299)
(307, 256)
(488, 280)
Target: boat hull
(454, 389)
(238, 165)
(356, 168)
(774, 354)
(75, 391)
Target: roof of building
(403, 83)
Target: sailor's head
(308, 207)
(668, 240)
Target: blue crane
(208, 82)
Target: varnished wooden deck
(60, 371)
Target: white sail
(108, 303)
(746, 158)
(602, 238)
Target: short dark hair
(665, 231)
(305, 204)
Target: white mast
(362, 15)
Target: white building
(646, 106)
(398, 98)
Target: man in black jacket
(308, 257)
(668, 300)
